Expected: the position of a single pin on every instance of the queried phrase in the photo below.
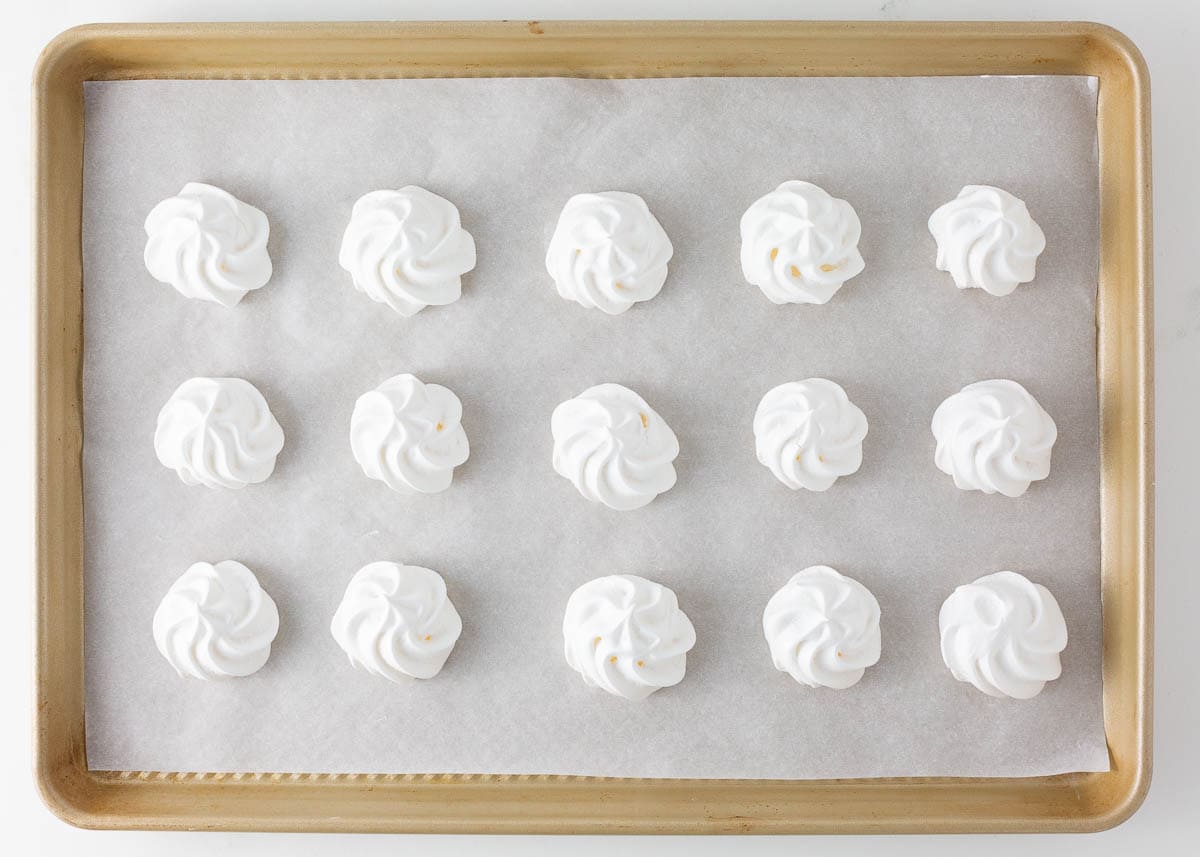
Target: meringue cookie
(626, 635)
(823, 628)
(987, 240)
(799, 244)
(406, 248)
(608, 251)
(613, 447)
(409, 435)
(993, 436)
(208, 244)
(218, 432)
(1003, 634)
(216, 622)
(808, 433)
(395, 621)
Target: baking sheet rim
(115, 51)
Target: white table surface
(1165, 30)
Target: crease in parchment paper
(511, 537)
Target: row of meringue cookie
(407, 248)
(221, 433)
(992, 436)
(623, 634)
(404, 248)
(1002, 633)
(216, 621)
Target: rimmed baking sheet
(511, 537)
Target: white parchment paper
(511, 537)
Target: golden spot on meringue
(596, 642)
(428, 637)
(439, 427)
(618, 285)
(774, 253)
(827, 267)
(613, 659)
(839, 654)
(645, 420)
(641, 663)
(794, 271)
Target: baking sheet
(511, 537)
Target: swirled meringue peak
(396, 621)
(608, 251)
(407, 248)
(216, 622)
(987, 240)
(208, 244)
(1003, 633)
(613, 447)
(799, 244)
(626, 635)
(823, 628)
(218, 432)
(808, 433)
(994, 437)
(409, 435)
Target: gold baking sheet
(490, 803)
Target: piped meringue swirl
(208, 244)
(823, 628)
(808, 433)
(608, 251)
(216, 622)
(614, 447)
(626, 635)
(407, 248)
(409, 435)
(799, 244)
(218, 432)
(987, 240)
(1003, 633)
(396, 621)
(994, 437)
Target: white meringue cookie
(406, 248)
(613, 447)
(218, 432)
(799, 244)
(823, 628)
(993, 436)
(216, 622)
(987, 240)
(396, 621)
(608, 251)
(1003, 633)
(208, 244)
(626, 635)
(409, 435)
(808, 433)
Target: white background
(1165, 30)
